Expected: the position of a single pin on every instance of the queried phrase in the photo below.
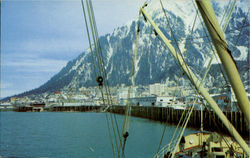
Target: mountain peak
(154, 63)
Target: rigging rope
(126, 122)
(237, 40)
(90, 45)
(100, 73)
(109, 97)
(229, 16)
(178, 48)
(225, 12)
(182, 132)
(211, 46)
(179, 78)
(180, 53)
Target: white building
(123, 93)
(158, 101)
(157, 89)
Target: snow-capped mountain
(154, 63)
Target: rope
(179, 63)
(100, 72)
(104, 73)
(178, 48)
(86, 24)
(191, 34)
(241, 31)
(162, 136)
(229, 16)
(227, 31)
(199, 86)
(181, 134)
(132, 77)
(101, 57)
(211, 46)
(225, 12)
(223, 42)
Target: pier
(74, 108)
(211, 121)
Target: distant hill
(154, 62)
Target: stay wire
(164, 130)
(227, 31)
(109, 98)
(94, 37)
(178, 48)
(210, 44)
(98, 61)
(101, 66)
(222, 41)
(224, 28)
(86, 23)
(225, 12)
(174, 37)
(99, 51)
(238, 37)
(89, 40)
(191, 34)
(229, 14)
(176, 55)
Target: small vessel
(204, 144)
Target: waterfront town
(158, 95)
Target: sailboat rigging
(205, 142)
(208, 15)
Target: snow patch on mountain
(244, 52)
(154, 63)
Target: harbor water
(75, 134)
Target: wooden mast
(224, 53)
(197, 84)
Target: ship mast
(224, 53)
(198, 85)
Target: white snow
(109, 53)
(181, 8)
(243, 51)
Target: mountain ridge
(154, 62)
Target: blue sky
(39, 37)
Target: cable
(240, 32)
(107, 89)
(100, 71)
(178, 48)
(211, 46)
(83, 8)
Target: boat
(201, 144)
(204, 144)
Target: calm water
(65, 134)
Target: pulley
(99, 80)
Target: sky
(39, 37)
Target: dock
(166, 115)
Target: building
(13, 99)
(123, 93)
(157, 89)
(156, 101)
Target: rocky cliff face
(154, 62)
